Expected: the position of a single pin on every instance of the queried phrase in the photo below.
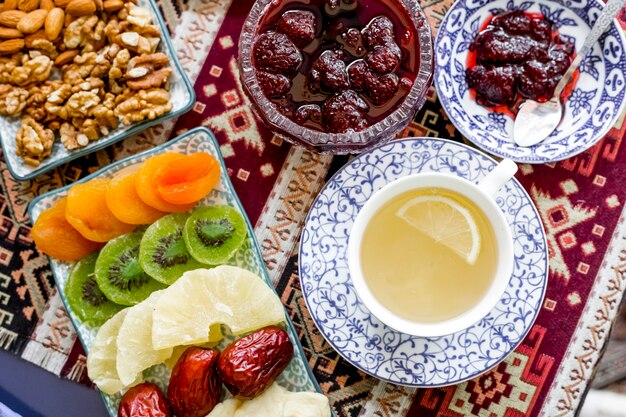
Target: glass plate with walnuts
(79, 75)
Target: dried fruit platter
(181, 99)
(297, 376)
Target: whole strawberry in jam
(496, 85)
(353, 55)
(329, 72)
(381, 88)
(143, 400)
(518, 55)
(273, 85)
(299, 26)
(379, 32)
(250, 364)
(382, 59)
(343, 112)
(275, 53)
(195, 386)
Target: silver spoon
(536, 121)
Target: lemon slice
(202, 298)
(101, 360)
(446, 222)
(134, 341)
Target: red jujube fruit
(195, 386)
(250, 364)
(143, 400)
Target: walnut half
(34, 142)
(144, 104)
(12, 100)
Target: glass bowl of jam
(336, 76)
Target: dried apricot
(55, 237)
(124, 202)
(88, 212)
(188, 179)
(145, 183)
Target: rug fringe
(7, 338)
(78, 370)
(44, 356)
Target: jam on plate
(517, 56)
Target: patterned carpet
(581, 202)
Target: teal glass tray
(298, 376)
(182, 98)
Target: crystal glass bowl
(337, 143)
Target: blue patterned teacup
(481, 195)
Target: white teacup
(482, 195)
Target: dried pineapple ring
(134, 341)
(102, 356)
(201, 298)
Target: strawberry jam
(518, 55)
(336, 65)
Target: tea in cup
(431, 254)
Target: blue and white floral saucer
(593, 107)
(365, 341)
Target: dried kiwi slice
(86, 299)
(213, 234)
(119, 274)
(162, 253)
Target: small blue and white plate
(593, 107)
(360, 337)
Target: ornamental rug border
(571, 382)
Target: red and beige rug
(581, 201)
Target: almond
(62, 3)
(11, 17)
(54, 23)
(9, 5)
(46, 4)
(81, 8)
(9, 33)
(27, 5)
(33, 21)
(66, 57)
(112, 5)
(11, 47)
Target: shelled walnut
(34, 142)
(12, 99)
(109, 72)
(144, 104)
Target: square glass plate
(182, 98)
(298, 375)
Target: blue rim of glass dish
(469, 377)
(136, 128)
(250, 229)
(533, 158)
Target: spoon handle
(605, 18)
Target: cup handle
(498, 176)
